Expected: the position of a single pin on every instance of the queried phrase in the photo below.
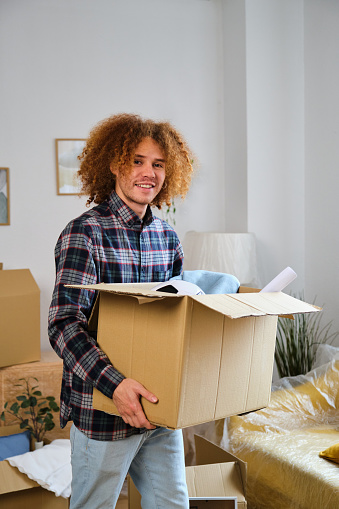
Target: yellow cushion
(332, 453)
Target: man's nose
(148, 170)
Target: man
(128, 165)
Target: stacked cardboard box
(21, 357)
(48, 371)
(19, 317)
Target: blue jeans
(154, 460)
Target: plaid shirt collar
(127, 215)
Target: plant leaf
(33, 401)
(15, 408)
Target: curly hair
(113, 142)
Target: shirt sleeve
(70, 311)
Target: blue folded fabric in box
(12, 445)
(211, 282)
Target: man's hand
(126, 398)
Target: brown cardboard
(19, 317)
(17, 491)
(48, 372)
(205, 357)
(218, 479)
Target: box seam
(251, 363)
(184, 358)
(220, 364)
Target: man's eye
(137, 161)
(158, 165)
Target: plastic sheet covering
(231, 253)
(281, 443)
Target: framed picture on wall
(4, 196)
(67, 164)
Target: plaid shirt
(107, 244)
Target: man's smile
(146, 186)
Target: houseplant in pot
(298, 340)
(34, 411)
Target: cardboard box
(17, 491)
(19, 317)
(218, 481)
(48, 372)
(205, 357)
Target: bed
(281, 443)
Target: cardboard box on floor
(218, 481)
(17, 491)
(205, 357)
(19, 317)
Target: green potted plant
(169, 213)
(297, 342)
(32, 409)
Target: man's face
(139, 186)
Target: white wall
(293, 143)
(66, 65)
(275, 134)
(235, 115)
(264, 130)
(322, 155)
(292, 84)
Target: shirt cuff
(109, 379)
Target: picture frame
(4, 197)
(67, 151)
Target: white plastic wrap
(281, 443)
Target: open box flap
(235, 305)
(239, 305)
(207, 452)
(225, 472)
(11, 479)
(133, 289)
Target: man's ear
(113, 170)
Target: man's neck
(138, 208)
